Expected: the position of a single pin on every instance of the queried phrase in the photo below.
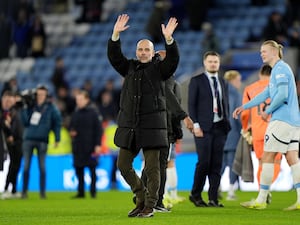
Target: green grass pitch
(111, 208)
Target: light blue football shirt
(289, 110)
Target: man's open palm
(121, 23)
(169, 28)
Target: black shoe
(138, 209)
(198, 202)
(24, 195)
(213, 203)
(93, 194)
(43, 195)
(146, 213)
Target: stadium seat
(246, 60)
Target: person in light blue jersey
(283, 131)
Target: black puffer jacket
(142, 119)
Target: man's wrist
(115, 36)
(169, 40)
(196, 125)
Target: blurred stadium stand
(83, 46)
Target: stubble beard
(212, 71)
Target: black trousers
(80, 176)
(210, 156)
(15, 156)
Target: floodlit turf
(110, 208)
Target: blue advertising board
(60, 174)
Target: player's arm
(264, 95)
(279, 99)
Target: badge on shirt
(35, 118)
(215, 105)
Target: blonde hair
(231, 75)
(274, 44)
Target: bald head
(144, 51)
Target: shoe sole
(161, 211)
(145, 216)
(253, 207)
(269, 199)
(292, 208)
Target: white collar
(210, 75)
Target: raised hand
(169, 28)
(121, 24)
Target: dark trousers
(80, 176)
(15, 156)
(210, 155)
(163, 164)
(114, 170)
(27, 148)
(147, 195)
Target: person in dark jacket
(5, 124)
(58, 78)
(276, 28)
(175, 136)
(142, 119)
(14, 143)
(38, 120)
(175, 114)
(209, 109)
(37, 36)
(86, 131)
(20, 34)
(6, 36)
(10, 85)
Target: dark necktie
(217, 95)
